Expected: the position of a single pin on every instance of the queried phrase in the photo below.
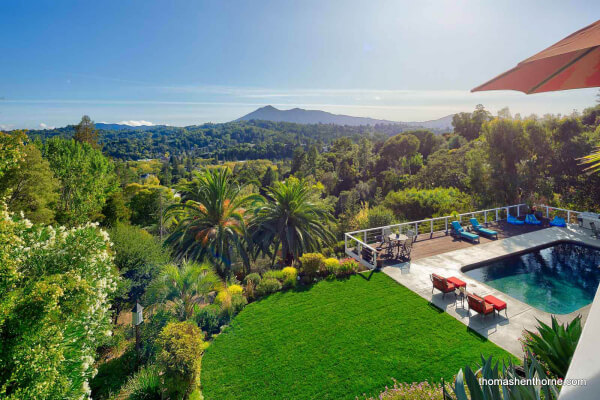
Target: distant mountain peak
(302, 116)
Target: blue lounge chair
(514, 221)
(530, 219)
(460, 232)
(558, 221)
(481, 230)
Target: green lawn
(337, 340)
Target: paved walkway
(502, 330)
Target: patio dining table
(397, 237)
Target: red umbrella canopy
(572, 63)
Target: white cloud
(44, 126)
(4, 127)
(136, 123)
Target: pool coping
(499, 329)
(478, 264)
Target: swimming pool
(558, 279)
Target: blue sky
(189, 62)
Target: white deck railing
(356, 241)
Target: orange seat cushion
(496, 302)
(457, 282)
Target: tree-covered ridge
(232, 140)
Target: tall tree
(468, 125)
(139, 257)
(31, 187)
(11, 150)
(395, 149)
(85, 132)
(505, 140)
(212, 219)
(268, 179)
(291, 221)
(86, 178)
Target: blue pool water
(558, 279)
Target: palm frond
(593, 161)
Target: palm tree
(211, 219)
(290, 220)
(180, 288)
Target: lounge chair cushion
(488, 232)
(456, 226)
(495, 302)
(480, 229)
(469, 235)
(532, 220)
(558, 221)
(514, 220)
(457, 282)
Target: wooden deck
(427, 245)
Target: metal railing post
(519, 210)
(431, 230)
(346, 242)
(446, 225)
(569, 217)
(485, 216)
(547, 212)
(496, 215)
(374, 259)
(365, 237)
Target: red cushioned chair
(440, 283)
(479, 305)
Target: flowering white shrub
(55, 286)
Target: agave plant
(468, 387)
(555, 345)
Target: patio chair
(481, 230)
(530, 219)
(460, 232)
(479, 305)
(558, 221)
(440, 283)
(594, 230)
(514, 220)
(411, 235)
(386, 246)
(406, 249)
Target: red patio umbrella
(572, 63)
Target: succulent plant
(555, 345)
(468, 386)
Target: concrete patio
(500, 329)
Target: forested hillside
(230, 141)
